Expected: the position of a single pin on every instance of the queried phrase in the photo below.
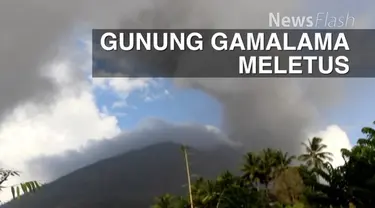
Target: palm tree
(226, 179)
(282, 161)
(197, 191)
(336, 188)
(205, 192)
(360, 168)
(315, 157)
(272, 163)
(181, 202)
(165, 201)
(209, 193)
(250, 168)
(225, 183)
(269, 166)
(264, 167)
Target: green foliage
(165, 201)
(269, 180)
(26, 187)
(315, 157)
(288, 187)
(19, 189)
(5, 174)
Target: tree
(315, 157)
(352, 183)
(181, 202)
(209, 193)
(5, 174)
(250, 168)
(282, 161)
(288, 187)
(269, 166)
(266, 165)
(269, 180)
(360, 168)
(241, 196)
(165, 201)
(17, 189)
(334, 186)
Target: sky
(57, 118)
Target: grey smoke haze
(151, 131)
(267, 112)
(258, 113)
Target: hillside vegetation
(268, 179)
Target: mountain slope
(130, 180)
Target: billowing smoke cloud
(151, 131)
(31, 35)
(258, 113)
(32, 31)
(268, 112)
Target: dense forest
(273, 178)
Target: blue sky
(188, 105)
(181, 105)
(356, 110)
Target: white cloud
(119, 104)
(335, 138)
(122, 86)
(191, 134)
(150, 97)
(67, 122)
(149, 89)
